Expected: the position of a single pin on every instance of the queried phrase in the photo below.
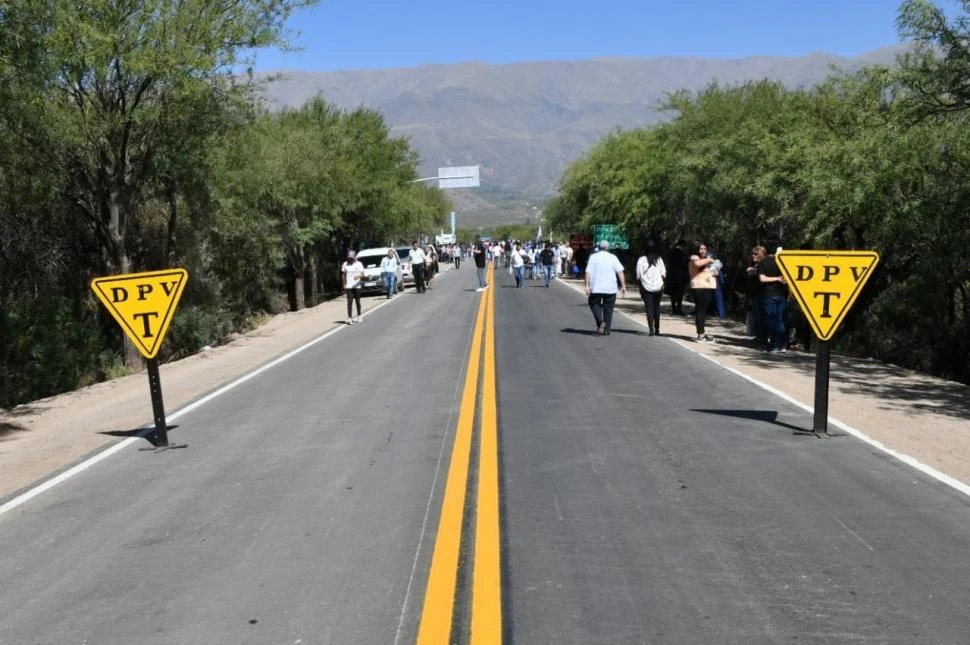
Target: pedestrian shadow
(631, 332)
(592, 332)
(580, 332)
(765, 416)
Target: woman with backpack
(651, 274)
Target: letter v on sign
(826, 283)
(143, 304)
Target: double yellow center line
(437, 617)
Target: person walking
(352, 275)
(603, 273)
(678, 276)
(703, 285)
(651, 273)
(389, 266)
(480, 254)
(518, 265)
(775, 295)
(456, 255)
(417, 266)
(548, 260)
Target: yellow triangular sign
(826, 283)
(143, 304)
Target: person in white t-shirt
(603, 275)
(651, 274)
(518, 265)
(352, 274)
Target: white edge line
(31, 493)
(952, 482)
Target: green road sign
(612, 234)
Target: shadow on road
(765, 416)
(897, 389)
(145, 433)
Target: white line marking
(943, 478)
(31, 493)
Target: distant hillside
(525, 122)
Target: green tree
(111, 89)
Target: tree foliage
(129, 140)
(879, 159)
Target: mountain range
(523, 123)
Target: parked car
(373, 279)
(404, 252)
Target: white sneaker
(357, 319)
(350, 321)
(480, 289)
(486, 286)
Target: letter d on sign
(119, 294)
(805, 272)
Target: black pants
(353, 295)
(676, 292)
(418, 270)
(457, 261)
(601, 304)
(702, 304)
(651, 300)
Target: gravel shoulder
(915, 414)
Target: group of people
(673, 274)
(697, 270)
(769, 298)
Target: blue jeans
(481, 276)
(547, 269)
(390, 281)
(519, 276)
(774, 308)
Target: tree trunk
(314, 283)
(133, 359)
(172, 224)
(299, 277)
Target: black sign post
(160, 436)
(820, 424)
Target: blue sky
(374, 34)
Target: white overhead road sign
(455, 177)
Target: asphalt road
(647, 496)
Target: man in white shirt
(417, 266)
(603, 273)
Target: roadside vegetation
(131, 139)
(877, 160)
